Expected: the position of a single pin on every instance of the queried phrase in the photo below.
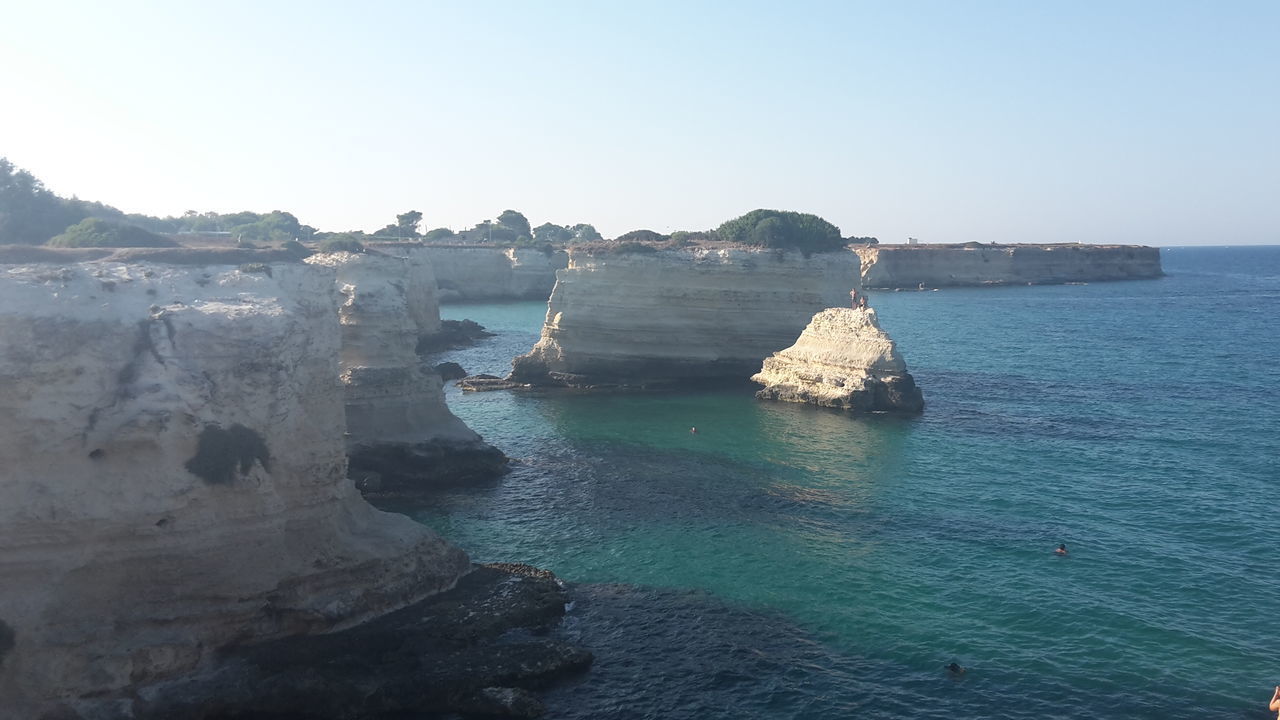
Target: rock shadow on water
(680, 654)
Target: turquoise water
(793, 562)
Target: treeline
(782, 229)
(30, 214)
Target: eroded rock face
(174, 478)
(842, 360)
(909, 266)
(399, 428)
(470, 273)
(679, 316)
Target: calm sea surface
(791, 562)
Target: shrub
(438, 234)
(94, 232)
(341, 244)
(782, 229)
(644, 236)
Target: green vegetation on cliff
(95, 232)
(782, 229)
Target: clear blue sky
(1148, 122)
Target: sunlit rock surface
(400, 433)
(678, 316)
(909, 266)
(174, 479)
(842, 360)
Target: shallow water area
(795, 562)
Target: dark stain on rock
(96, 454)
(222, 455)
(6, 640)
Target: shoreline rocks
(473, 649)
(842, 360)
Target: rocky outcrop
(842, 360)
(910, 266)
(663, 318)
(400, 433)
(174, 479)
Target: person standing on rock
(862, 302)
(853, 298)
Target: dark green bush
(341, 244)
(782, 229)
(644, 236)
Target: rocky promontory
(400, 434)
(174, 477)
(910, 266)
(664, 317)
(842, 360)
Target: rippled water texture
(790, 562)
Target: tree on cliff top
(782, 229)
(517, 222)
(552, 233)
(94, 232)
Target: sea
(796, 562)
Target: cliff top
(31, 254)
(993, 245)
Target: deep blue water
(792, 562)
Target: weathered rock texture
(400, 433)
(466, 273)
(909, 266)
(676, 316)
(174, 481)
(842, 360)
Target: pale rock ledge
(174, 479)
(842, 360)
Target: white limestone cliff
(400, 432)
(174, 477)
(675, 316)
(842, 360)
(909, 266)
(470, 273)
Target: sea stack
(842, 360)
(643, 317)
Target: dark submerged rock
(408, 468)
(453, 334)
(465, 650)
(482, 383)
(450, 371)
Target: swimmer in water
(693, 431)
(955, 669)
(1275, 702)
(1062, 550)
